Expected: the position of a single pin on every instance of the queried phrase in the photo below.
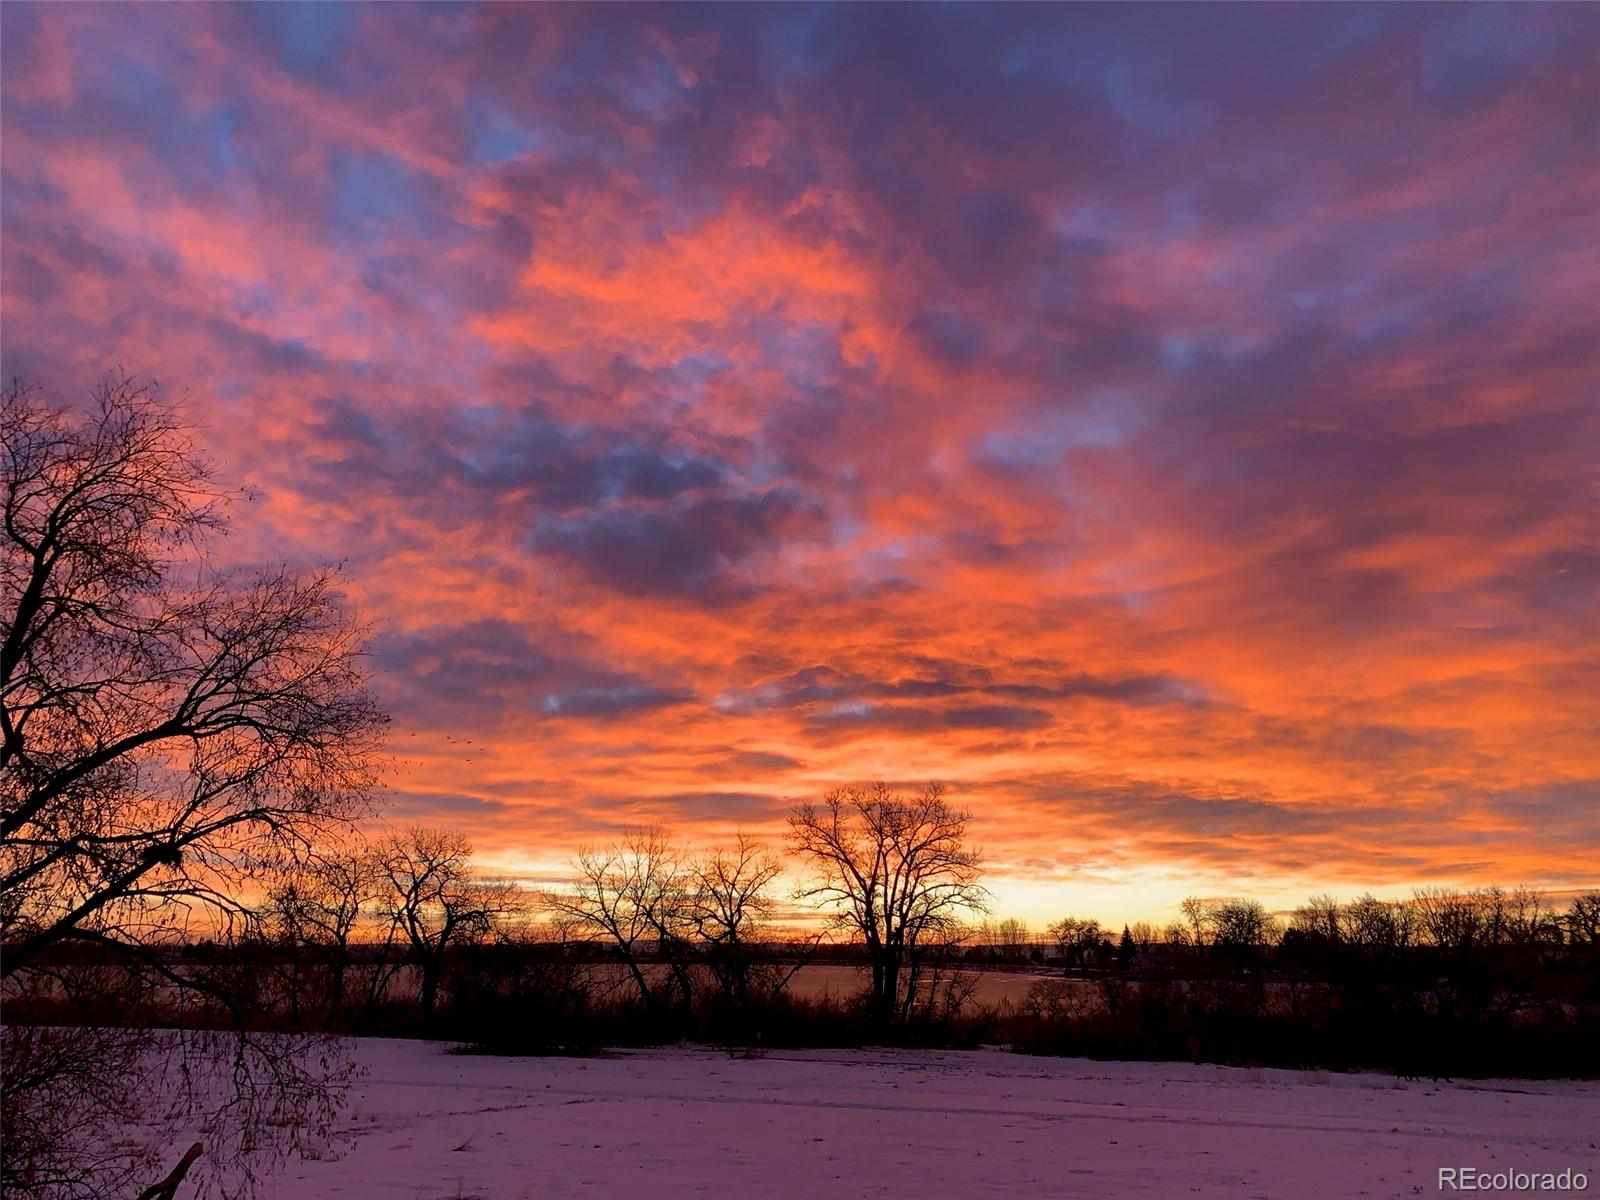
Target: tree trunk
(167, 1189)
(680, 975)
(430, 985)
(336, 983)
(643, 984)
(889, 993)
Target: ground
(429, 1125)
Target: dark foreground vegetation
(1486, 1004)
(1477, 983)
(1443, 984)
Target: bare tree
(891, 869)
(318, 904)
(1144, 934)
(936, 984)
(1451, 921)
(731, 899)
(630, 895)
(166, 729)
(1582, 920)
(163, 726)
(1372, 924)
(1521, 917)
(433, 900)
(1007, 938)
(1241, 924)
(1197, 924)
(1076, 940)
(90, 1108)
(1320, 917)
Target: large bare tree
(732, 902)
(434, 901)
(315, 907)
(891, 868)
(166, 729)
(165, 726)
(636, 895)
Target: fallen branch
(167, 1189)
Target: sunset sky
(1175, 428)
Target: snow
(425, 1124)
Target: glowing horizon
(1175, 428)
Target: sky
(1176, 429)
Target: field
(429, 1125)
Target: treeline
(646, 942)
(1245, 931)
(649, 943)
(1471, 982)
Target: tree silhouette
(890, 868)
(162, 726)
(434, 901)
(1076, 938)
(633, 893)
(167, 731)
(731, 898)
(317, 905)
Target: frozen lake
(428, 1125)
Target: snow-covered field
(428, 1125)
